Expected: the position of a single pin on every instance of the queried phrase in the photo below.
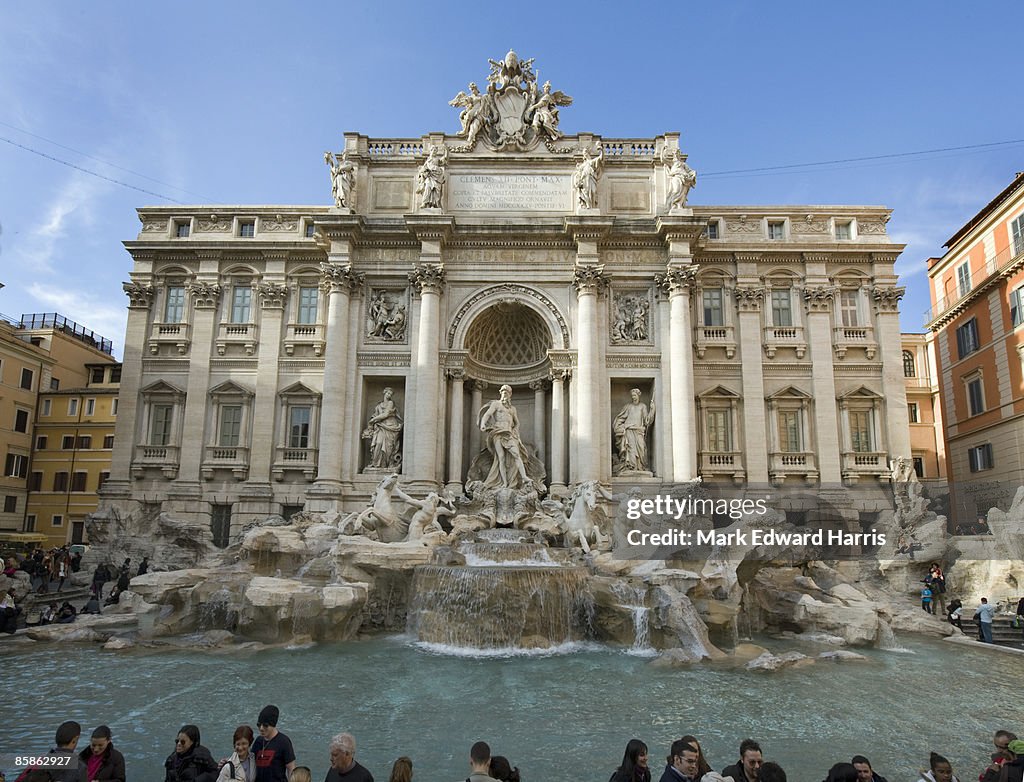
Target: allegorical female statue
(630, 427)
(383, 430)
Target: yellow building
(924, 412)
(74, 436)
(41, 354)
(23, 367)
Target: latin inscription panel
(510, 192)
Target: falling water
(218, 612)
(886, 639)
(633, 600)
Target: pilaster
(818, 301)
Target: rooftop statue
(343, 180)
(512, 114)
(681, 180)
(432, 177)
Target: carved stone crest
(513, 113)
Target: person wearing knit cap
(273, 751)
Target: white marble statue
(343, 180)
(545, 112)
(630, 427)
(901, 470)
(681, 179)
(425, 521)
(477, 109)
(580, 519)
(432, 177)
(585, 179)
(382, 520)
(383, 430)
(499, 421)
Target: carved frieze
(630, 318)
(139, 296)
(744, 225)
(809, 224)
(279, 224)
(154, 226)
(387, 315)
(213, 224)
(869, 227)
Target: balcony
(242, 334)
(294, 460)
(859, 464)
(846, 337)
(1002, 263)
(234, 458)
(304, 334)
(722, 463)
(783, 464)
(176, 334)
(776, 337)
(715, 336)
(156, 457)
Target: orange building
(977, 316)
(924, 412)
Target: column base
(323, 496)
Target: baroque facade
(280, 358)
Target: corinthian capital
(749, 299)
(205, 295)
(428, 277)
(678, 279)
(887, 299)
(339, 278)
(818, 298)
(139, 296)
(272, 295)
(589, 279)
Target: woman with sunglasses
(190, 761)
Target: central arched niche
(508, 343)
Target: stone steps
(1003, 630)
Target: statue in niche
(432, 176)
(545, 111)
(681, 179)
(585, 179)
(477, 112)
(386, 317)
(382, 430)
(630, 323)
(343, 180)
(499, 421)
(630, 427)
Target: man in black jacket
(66, 740)
(864, 771)
(682, 763)
(745, 770)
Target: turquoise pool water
(560, 717)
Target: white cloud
(76, 199)
(84, 308)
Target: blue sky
(235, 103)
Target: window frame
(239, 308)
(980, 457)
(302, 309)
(773, 226)
(968, 340)
(1017, 234)
(175, 301)
(1017, 306)
(22, 419)
(974, 388)
(28, 379)
(718, 307)
(964, 284)
(913, 413)
(73, 406)
(909, 363)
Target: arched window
(909, 365)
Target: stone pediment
(790, 392)
(162, 387)
(230, 388)
(299, 389)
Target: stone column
(538, 417)
(338, 282)
(477, 401)
(755, 432)
(558, 378)
(893, 384)
(589, 280)
(126, 436)
(428, 279)
(677, 281)
(457, 402)
(263, 443)
(818, 300)
(205, 296)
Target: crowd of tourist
(270, 757)
(45, 569)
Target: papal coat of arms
(513, 114)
